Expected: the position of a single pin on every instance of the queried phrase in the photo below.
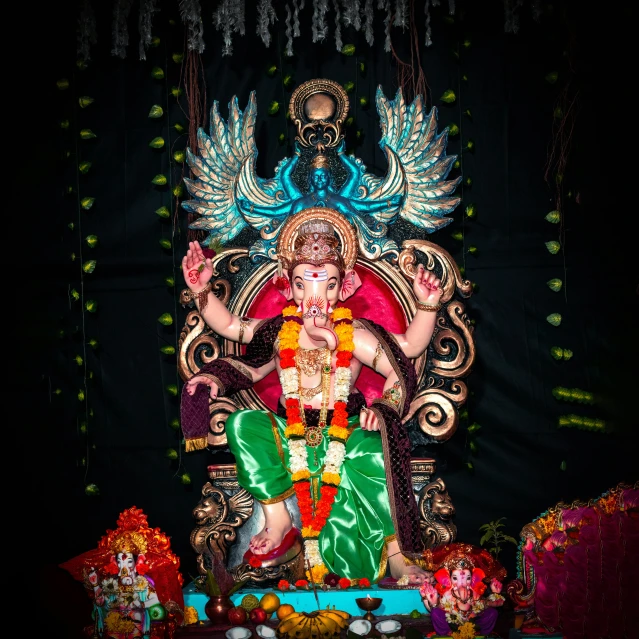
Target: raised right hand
(192, 384)
(197, 269)
(429, 594)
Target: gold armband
(432, 308)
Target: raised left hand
(427, 286)
(495, 586)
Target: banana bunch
(319, 624)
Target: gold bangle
(432, 308)
(202, 296)
(244, 322)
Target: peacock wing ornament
(225, 191)
(417, 165)
(228, 196)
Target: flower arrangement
(313, 520)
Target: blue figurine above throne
(372, 342)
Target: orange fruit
(284, 611)
(270, 602)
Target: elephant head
(316, 279)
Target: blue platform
(394, 602)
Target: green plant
(494, 537)
(218, 581)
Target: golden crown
(316, 244)
(320, 161)
(132, 542)
(456, 562)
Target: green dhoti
(353, 541)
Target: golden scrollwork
(196, 346)
(345, 231)
(453, 350)
(436, 414)
(318, 108)
(219, 410)
(218, 517)
(437, 259)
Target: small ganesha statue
(458, 595)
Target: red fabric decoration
(160, 563)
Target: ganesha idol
(132, 578)
(459, 593)
(324, 444)
(343, 457)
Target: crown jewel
(316, 244)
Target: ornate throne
(415, 190)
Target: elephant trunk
(321, 334)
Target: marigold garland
(314, 516)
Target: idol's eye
(331, 286)
(299, 285)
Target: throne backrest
(385, 297)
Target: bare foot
(277, 522)
(416, 575)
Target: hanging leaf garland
(554, 319)
(561, 353)
(573, 395)
(157, 142)
(89, 266)
(582, 423)
(448, 96)
(555, 284)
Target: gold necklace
(310, 360)
(313, 434)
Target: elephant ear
(477, 584)
(442, 576)
(350, 284)
(283, 284)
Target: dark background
(517, 471)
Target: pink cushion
(374, 300)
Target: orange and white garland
(314, 516)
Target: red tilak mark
(315, 300)
(194, 276)
(314, 274)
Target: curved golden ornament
(222, 290)
(458, 344)
(231, 254)
(319, 105)
(451, 277)
(345, 230)
(197, 345)
(436, 414)
(219, 410)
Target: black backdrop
(127, 409)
